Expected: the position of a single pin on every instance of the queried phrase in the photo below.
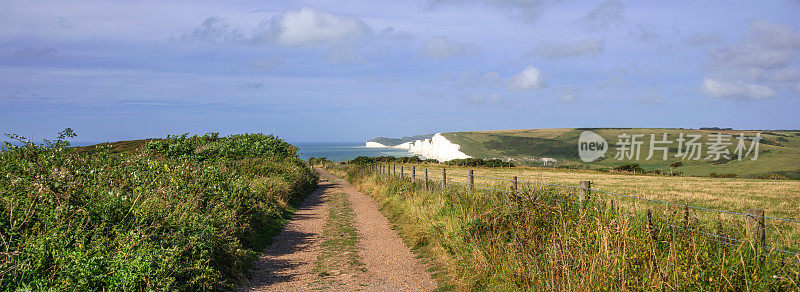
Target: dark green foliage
(386, 159)
(317, 161)
(397, 141)
(716, 129)
(722, 175)
(188, 213)
(477, 162)
(774, 176)
(631, 167)
(232, 147)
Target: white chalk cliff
(438, 147)
(371, 144)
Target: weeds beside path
(339, 240)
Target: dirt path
(339, 240)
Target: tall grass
(183, 213)
(542, 240)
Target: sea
(341, 151)
(333, 151)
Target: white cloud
(309, 26)
(214, 30)
(554, 50)
(765, 46)
(530, 78)
(716, 88)
(767, 54)
(604, 15)
(439, 47)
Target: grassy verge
(182, 213)
(493, 241)
(339, 254)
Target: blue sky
(351, 71)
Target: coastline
(437, 147)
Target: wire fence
(444, 178)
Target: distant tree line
(477, 162)
(390, 159)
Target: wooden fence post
(650, 224)
(444, 178)
(426, 178)
(755, 226)
(471, 181)
(413, 172)
(402, 173)
(514, 182)
(585, 192)
(686, 217)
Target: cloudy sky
(350, 71)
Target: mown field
(540, 239)
(779, 151)
(180, 213)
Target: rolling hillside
(397, 141)
(779, 151)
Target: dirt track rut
(293, 261)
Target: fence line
(385, 170)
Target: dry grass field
(778, 198)
(540, 239)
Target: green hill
(397, 141)
(779, 151)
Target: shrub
(317, 161)
(774, 176)
(186, 213)
(722, 175)
(386, 159)
(477, 162)
(631, 167)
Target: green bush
(187, 213)
(773, 176)
(631, 167)
(386, 159)
(477, 162)
(722, 175)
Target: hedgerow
(183, 213)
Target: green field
(778, 155)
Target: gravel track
(288, 263)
